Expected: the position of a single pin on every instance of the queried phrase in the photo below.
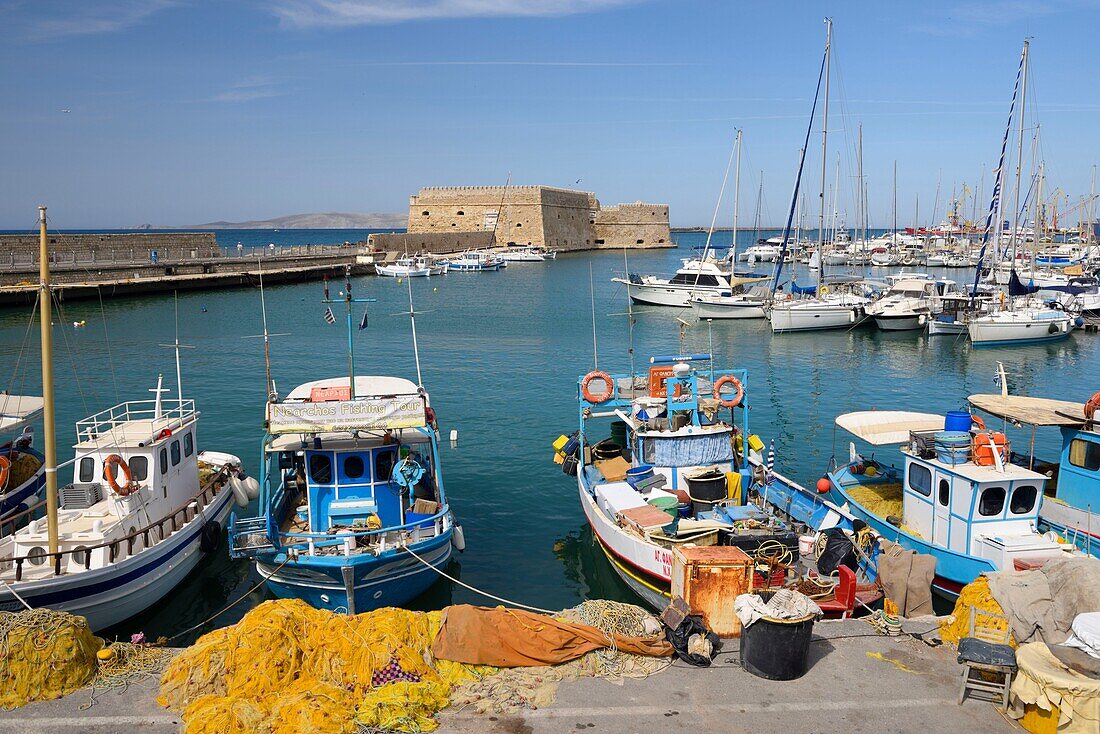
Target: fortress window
(424, 213)
(638, 242)
(661, 241)
(519, 224)
(599, 242)
(461, 213)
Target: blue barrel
(637, 474)
(957, 421)
(953, 447)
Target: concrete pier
(860, 682)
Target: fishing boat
(417, 266)
(1071, 502)
(353, 513)
(22, 469)
(956, 497)
(683, 428)
(748, 304)
(905, 306)
(144, 507)
(525, 254)
(475, 261)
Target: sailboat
(353, 513)
(828, 306)
(1025, 322)
(144, 507)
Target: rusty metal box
(709, 578)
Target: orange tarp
(510, 638)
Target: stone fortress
(449, 219)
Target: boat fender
(210, 537)
(1090, 410)
(5, 471)
(239, 493)
(458, 539)
(600, 397)
(251, 485)
(824, 485)
(739, 395)
(109, 464)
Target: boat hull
(815, 318)
(904, 322)
(121, 590)
(26, 494)
(392, 579)
(1003, 333)
(666, 294)
(946, 328)
(742, 310)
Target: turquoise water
(501, 353)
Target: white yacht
(525, 254)
(696, 277)
(767, 251)
(1026, 324)
(412, 267)
(905, 306)
(839, 306)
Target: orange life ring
(977, 421)
(5, 471)
(601, 397)
(1091, 407)
(109, 474)
(165, 433)
(729, 380)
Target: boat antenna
(629, 317)
(801, 165)
(177, 346)
(348, 300)
(412, 322)
(736, 204)
(48, 419)
(592, 293)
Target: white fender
(251, 485)
(458, 539)
(239, 493)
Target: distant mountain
(324, 220)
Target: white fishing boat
(144, 505)
(475, 261)
(905, 306)
(766, 251)
(696, 277)
(418, 266)
(745, 305)
(526, 254)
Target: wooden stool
(986, 650)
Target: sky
(119, 113)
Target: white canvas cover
(884, 427)
(17, 410)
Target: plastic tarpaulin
(1043, 681)
(512, 638)
(700, 450)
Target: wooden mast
(48, 422)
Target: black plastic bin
(706, 489)
(777, 649)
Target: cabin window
(1023, 499)
(87, 469)
(80, 553)
(992, 501)
(694, 279)
(920, 479)
(164, 461)
(383, 464)
(139, 467)
(320, 469)
(175, 453)
(353, 467)
(188, 444)
(944, 494)
(37, 556)
(1084, 454)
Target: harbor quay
(858, 679)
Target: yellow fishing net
(44, 654)
(880, 500)
(23, 467)
(977, 597)
(287, 668)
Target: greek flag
(330, 317)
(363, 323)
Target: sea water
(501, 353)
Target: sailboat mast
(736, 202)
(1019, 156)
(48, 419)
(859, 179)
(824, 141)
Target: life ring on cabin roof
(1091, 407)
(729, 380)
(5, 471)
(124, 469)
(600, 397)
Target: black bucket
(777, 649)
(606, 449)
(706, 489)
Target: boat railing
(176, 519)
(348, 542)
(107, 420)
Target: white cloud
(335, 13)
(248, 90)
(90, 18)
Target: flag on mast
(363, 323)
(330, 317)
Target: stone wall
(632, 225)
(22, 249)
(563, 219)
(436, 242)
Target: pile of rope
(44, 654)
(975, 598)
(123, 663)
(513, 689)
(287, 668)
(23, 467)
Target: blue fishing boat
(353, 514)
(1071, 506)
(956, 497)
(22, 468)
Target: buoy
(435, 290)
(251, 485)
(871, 471)
(454, 435)
(105, 654)
(239, 493)
(823, 484)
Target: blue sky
(185, 111)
